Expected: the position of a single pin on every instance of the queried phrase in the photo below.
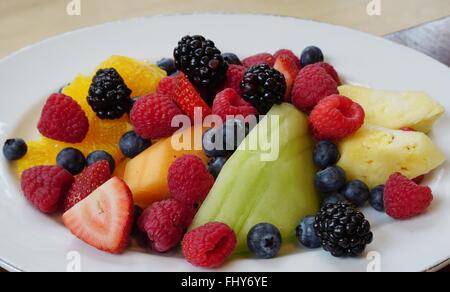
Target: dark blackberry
(202, 62)
(343, 230)
(263, 87)
(109, 96)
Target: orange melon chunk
(146, 174)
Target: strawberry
(105, 218)
(188, 99)
(288, 53)
(87, 182)
(288, 66)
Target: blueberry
(264, 240)
(167, 65)
(72, 160)
(356, 192)
(234, 132)
(306, 233)
(132, 145)
(231, 58)
(332, 198)
(224, 140)
(216, 165)
(14, 149)
(311, 55)
(326, 154)
(211, 143)
(331, 179)
(377, 198)
(101, 155)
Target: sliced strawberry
(288, 53)
(263, 58)
(288, 66)
(87, 182)
(105, 218)
(188, 99)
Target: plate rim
(13, 268)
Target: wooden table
(27, 21)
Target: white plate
(30, 241)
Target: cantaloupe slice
(146, 174)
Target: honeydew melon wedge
(250, 190)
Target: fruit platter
(206, 152)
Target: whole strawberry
(87, 182)
(404, 199)
(63, 119)
(152, 116)
(46, 186)
(311, 85)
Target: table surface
(422, 25)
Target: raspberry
(263, 58)
(87, 182)
(288, 53)
(311, 85)
(235, 74)
(404, 199)
(63, 119)
(230, 103)
(167, 86)
(335, 118)
(152, 116)
(46, 186)
(331, 71)
(189, 180)
(165, 223)
(210, 245)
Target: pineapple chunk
(374, 153)
(395, 110)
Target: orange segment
(141, 77)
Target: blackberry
(202, 62)
(343, 230)
(109, 96)
(263, 87)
